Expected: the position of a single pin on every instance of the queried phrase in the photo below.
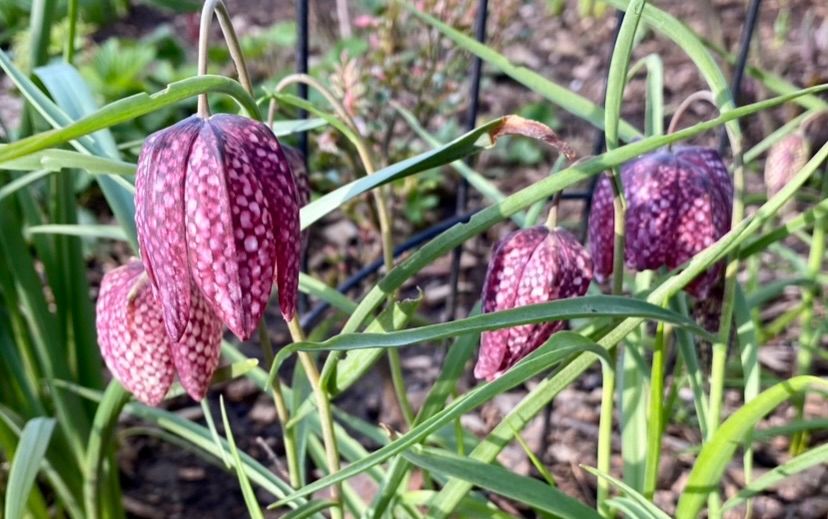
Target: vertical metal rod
(600, 136)
(741, 62)
(302, 63)
(302, 68)
(471, 121)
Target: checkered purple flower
(678, 203)
(217, 208)
(528, 266)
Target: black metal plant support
(471, 120)
(302, 39)
(741, 62)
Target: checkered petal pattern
(217, 213)
(136, 347)
(528, 266)
(678, 203)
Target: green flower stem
(233, 46)
(810, 332)
(288, 433)
(381, 197)
(719, 357)
(72, 17)
(655, 420)
(106, 417)
(323, 405)
(616, 80)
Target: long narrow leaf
(528, 491)
(717, 453)
(26, 464)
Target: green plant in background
(57, 419)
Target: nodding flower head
(216, 207)
(135, 344)
(678, 203)
(528, 266)
(785, 159)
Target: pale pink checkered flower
(216, 207)
(678, 203)
(785, 159)
(136, 347)
(528, 266)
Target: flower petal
(283, 201)
(653, 193)
(196, 355)
(230, 241)
(131, 334)
(159, 218)
(529, 266)
(601, 228)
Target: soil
(160, 480)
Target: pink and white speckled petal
(228, 227)
(196, 355)
(272, 168)
(131, 334)
(529, 266)
(159, 218)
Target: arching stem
(323, 405)
(233, 46)
(381, 196)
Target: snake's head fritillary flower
(678, 203)
(528, 266)
(135, 344)
(217, 207)
(785, 159)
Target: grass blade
(247, 490)
(26, 464)
(806, 460)
(717, 453)
(531, 492)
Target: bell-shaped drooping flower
(678, 203)
(135, 344)
(528, 266)
(216, 206)
(785, 159)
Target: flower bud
(528, 266)
(217, 207)
(136, 347)
(678, 203)
(785, 159)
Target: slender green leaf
(111, 232)
(475, 179)
(528, 491)
(806, 460)
(309, 509)
(558, 347)
(562, 97)
(639, 499)
(291, 126)
(578, 307)
(717, 453)
(22, 181)
(55, 160)
(26, 464)
(247, 491)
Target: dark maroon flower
(136, 347)
(528, 266)
(678, 203)
(216, 207)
